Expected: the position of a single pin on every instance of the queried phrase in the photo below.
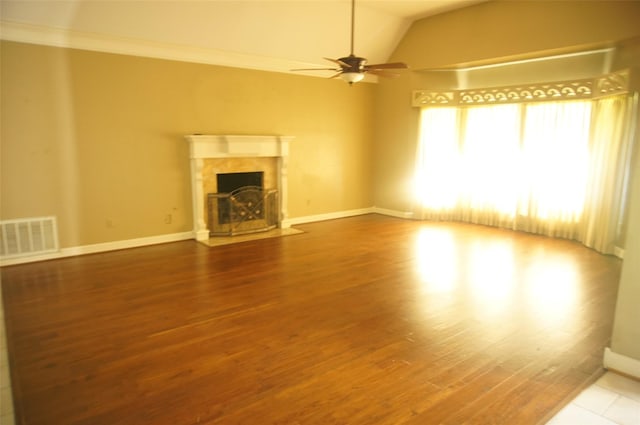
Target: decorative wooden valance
(605, 85)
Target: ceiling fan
(352, 68)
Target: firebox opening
(228, 182)
(242, 205)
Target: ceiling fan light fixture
(352, 77)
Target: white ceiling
(262, 34)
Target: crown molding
(57, 37)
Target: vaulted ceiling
(274, 35)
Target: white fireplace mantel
(202, 147)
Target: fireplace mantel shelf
(204, 146)
(238, 146)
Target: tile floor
(612, 400)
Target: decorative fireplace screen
(248, 209)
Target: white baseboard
(343, 214)
(153, 240)
(322, 217)
(393, 213)
(100, 247)
(621, 363)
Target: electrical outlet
(167, 219)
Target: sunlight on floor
(549, 286)
(436, 260)
(491, 276)
(552, 288)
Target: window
(537, 167)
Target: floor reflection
(493, 275)
(552, 290)
(490, 276)
(436, 259)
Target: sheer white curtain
(552, 168)
(611, 148)
(555, 151)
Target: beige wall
(97, 139)
(515, 29)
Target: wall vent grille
(28, 236)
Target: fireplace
(242, 205)
(213, 155)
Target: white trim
(586, 88)
(343, 214)
(393, 213)
(175, 237)
(328, 216)
(621, 363)
(56, 37)
(101, 247)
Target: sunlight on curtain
(555, 151)
(553, 168)
(611, 151)
(437, 178)
(490, 164)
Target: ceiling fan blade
(316, 69)
(335, 75)
(383, 73)
(393, 65)
(338, 61)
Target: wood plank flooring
(363, 320)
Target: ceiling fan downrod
(353, 23)
(353, 73)
(352, 68)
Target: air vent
(28, 236)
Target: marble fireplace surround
(233, 153)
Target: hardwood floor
(364, 320)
